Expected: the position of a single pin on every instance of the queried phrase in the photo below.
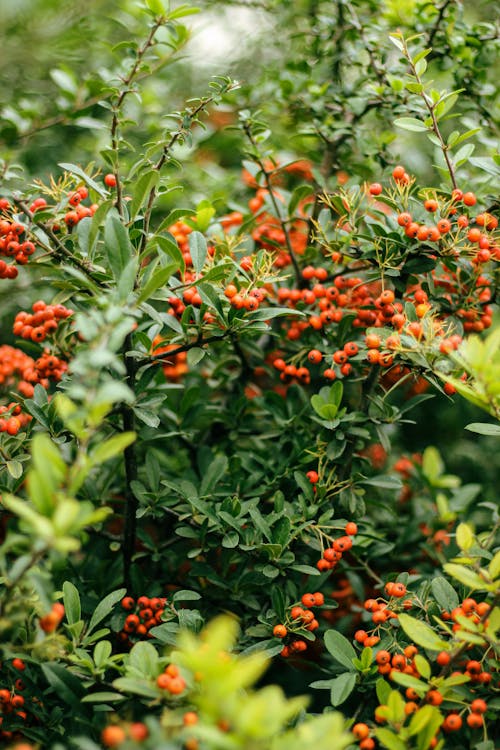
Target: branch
(116, 109)
(431, 109)
(269, 186)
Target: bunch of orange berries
(42, 322)
(50, 622)
(12, 242)
(175, 366)
(144, 613)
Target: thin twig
(269, 186)
(115, 146)
(431, 106)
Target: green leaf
(156, 6)
(341, 688)
(444, 594)
(484, 428)
(102, 652)
(185, 595)
(15, 469)
(426, 734)
(494, 566)
(410, 123)
(103, 697)
(72, 606)
(407, 680)
(198, 250)
(464, 536)
(421, 633)
(465, 575)
(389, 739)
(118, 247)
(383, 690)
(66, 685)
(340, 648)
(105, 607)
(383, 481)
(112, 447)
(299, 193)
(78, 172)
(136, 687)
(143, 660)
(142, 189)
(213, 475)
(397, 42)
(432, 464)
(204, 214)
(158, 279)
(423, 666)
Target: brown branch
(431, 109)
(115, 146)
(269, 186)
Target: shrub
(202, 408)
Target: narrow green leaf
(410, 123)
(198, 250)
(158, 279)
(484, 428)
(112, 447)
(117, 243)
(340, 648)
(72, 606)
(142, 189)
(105, 607)
(78, 172)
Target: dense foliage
(241, 341)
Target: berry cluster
(12, 242)
(42, 322)
(50, 622)
(333, 554)
(114, 734)
(16, 711)
(175, 367)
(77, 210)
(144, 613)
(299, 619)
(12, 419)
(171, 680)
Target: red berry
(110, 180)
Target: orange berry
(452, 723)
(474, 721)
(279, 631)
(138, 731)
(469, 199)
(113, 735)
(434, 697)
(360, 731)
(443, 658)
(478, 706)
